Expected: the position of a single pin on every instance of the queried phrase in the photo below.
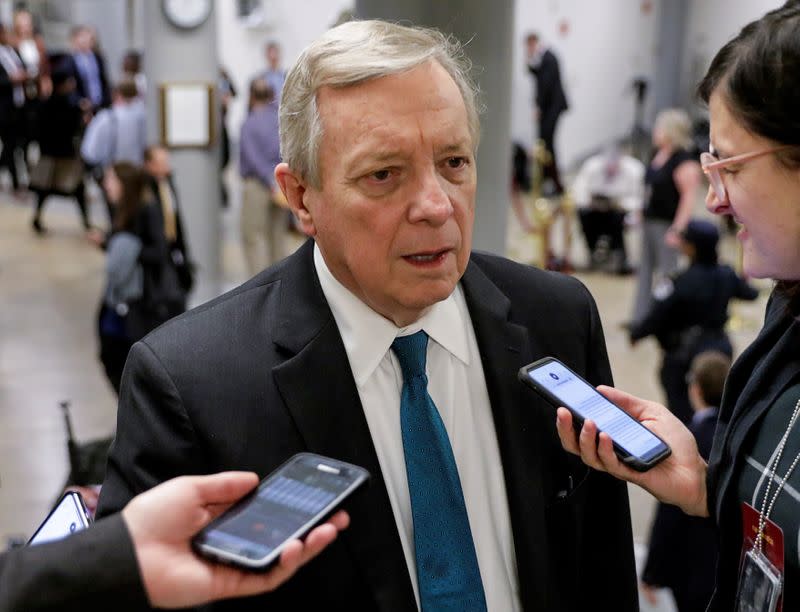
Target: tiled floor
(49, 292)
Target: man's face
(273, 56)
(393, 217)
(531, 45)
(158, 165)
(82, 41)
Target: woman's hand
(680, 479)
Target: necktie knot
(411, 352)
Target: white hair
(352, 53)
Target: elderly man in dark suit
(385, 341)
(550, 100)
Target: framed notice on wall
(187, 114)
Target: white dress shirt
(626, 185)
(458, 388)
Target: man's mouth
(427, 257)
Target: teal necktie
(447, 566)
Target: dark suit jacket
(7, 107)
(765, 370)
(67, 62)
(92, 570)
(261, 373)
(550, 96)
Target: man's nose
(431, 202)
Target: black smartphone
(287, 504)
(634, 444)
(67, 517)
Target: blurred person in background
(116, 134)
(607, 190)
(690, 310)
(166, 231)
(227, 92)
(132, 71)
(12, 103)
(263, 219)
(672, 180)
(88, 66)
(551, 102)
(682, 553)
(59, 170)
(30, 45)
(126, 187)
(274, 75)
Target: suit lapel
(317, 385)
(504, 348)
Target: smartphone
(634, 444)
(287, 504)
(69, 516)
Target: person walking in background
(171, 267)
(89, 69)
(682, 554)
(673, 181)
(29, 43)
(12, 103)
(551, 101)
(274, 76)
(115, 134)
(689, 312)
(125, 186)
(132, 71)
(227, 92)
(263, 219)
(59, 170)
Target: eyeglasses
(711, 165)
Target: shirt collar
(367, 335)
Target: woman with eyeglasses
(751, 485)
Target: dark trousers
(676, 365)
(9, 134)
(80, 197)
(597, 223)
(548, 121)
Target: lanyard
(767, 509)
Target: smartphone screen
(68, 517)
(285, 505)
(572, 392)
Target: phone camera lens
(72, 527)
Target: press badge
(761, 574)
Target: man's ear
(294, 190)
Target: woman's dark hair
(758, 75)
(134, 185)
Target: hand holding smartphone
(634, 444)
(287, 504)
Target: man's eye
(456, 162)
(380, 175)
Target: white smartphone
(69, 516)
